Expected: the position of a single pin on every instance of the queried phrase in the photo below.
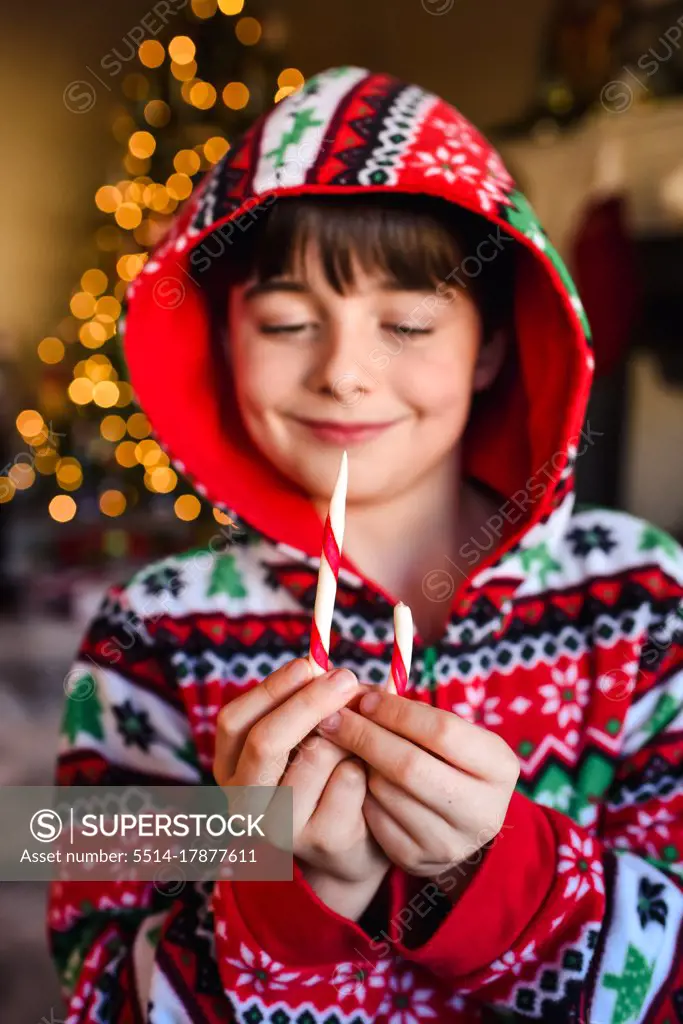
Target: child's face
(317, 372)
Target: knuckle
(443, 733)
(406, 767)
(350, 773)
(259, 742)
(226, 722)
(506, 762)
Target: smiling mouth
(344, 433)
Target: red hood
(350, 130)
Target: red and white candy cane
(403, 649)
(330, 560)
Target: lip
(334, 432)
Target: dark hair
(417, 240)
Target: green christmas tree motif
(302, 121)
(665, 711)
(226, 578)
(428, 667)
(83, 713)
(522, 216)
(554, 789)
(593, 781)
(632, 985)
(653, 538)
(540, 558)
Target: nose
(341, 367)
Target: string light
(204, 8)
(157, 113)
(62, 508)
(108, 198)
(51, 350)
(113, 427)
(151, 53)
(179, 185)
(181, 50)
(184, 72)
(142, 144)
(138, 425)
(286, 90)
(125, 454)
(105, 394)
(112, 503)
(290, 77)
(29, 423)
(215, 148)
(94, 281)
(231, 6)
(235, 95)
(82, 305)
(163, 479)
(22, 475)
(202, 95)
(187, 507)
(221, 517)
(46, 462)
(108, 307)
(128, 216)
(248, 31)
(7, 489)
(69, 474)
(186, 161)
(80, 391)
(125, 394)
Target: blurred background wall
(584, 97)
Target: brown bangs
(416, 241)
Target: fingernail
(369, 702)
(342, 679)
(331, 722)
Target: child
(503, 840)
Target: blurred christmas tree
(186, 93)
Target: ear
(490, 359)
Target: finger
(268, 744)
(427, 778)
(236, 718)
(308, 775)
(389, 834)
(461, 744)
(432, 833)
(339, 810)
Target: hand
(257, 734)
(438, 787)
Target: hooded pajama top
(565, 640)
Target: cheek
(266, 374)
(437, 384)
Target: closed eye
(281, 328)
(404, 329)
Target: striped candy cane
(330, 560)
(403, 649)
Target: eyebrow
(298, 287)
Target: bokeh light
(151, 53)
(235, 95)
(187, 507)
(30, 423)
(248, 31)
(51, 350)
(62, 508)
(112, 503)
